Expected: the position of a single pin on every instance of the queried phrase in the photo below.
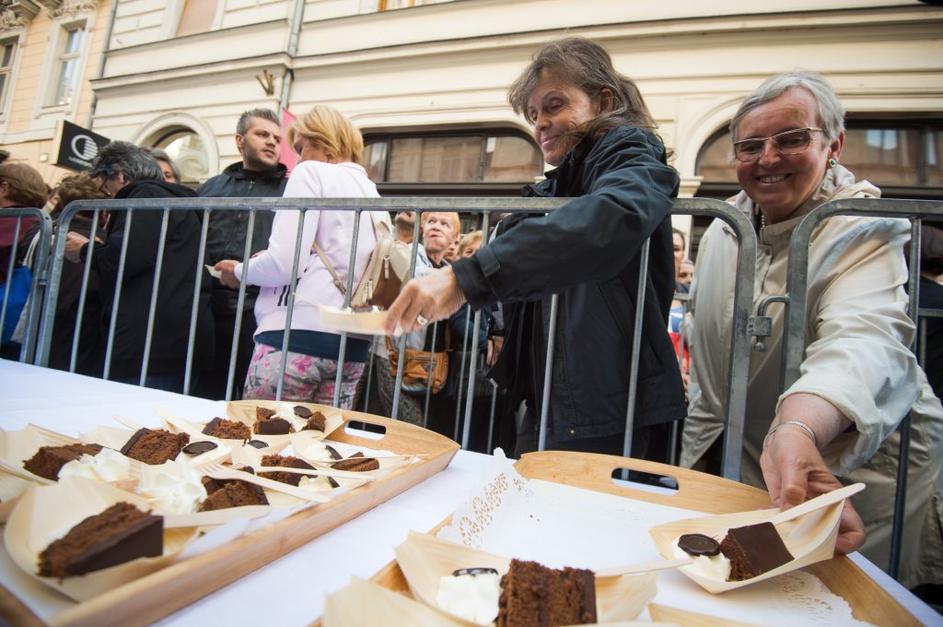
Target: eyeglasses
(787, 143)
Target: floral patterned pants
(307, 379)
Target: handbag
(421, 367)
(386, 271)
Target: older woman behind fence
(859, 379)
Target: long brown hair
(587, 65)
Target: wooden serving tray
(150, 598)
(696, 491)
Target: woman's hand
(435, 296)
(227, 273)
(73, 246)
(794, 472)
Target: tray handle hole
(366, 430)
(650, 482)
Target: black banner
(78, 146)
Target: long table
(291, 590)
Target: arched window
(186, 149)
(491, 162)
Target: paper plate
(365, 603)
(810, 538)
(18, 446)
(425, 559)
(46, 513)
(11, 487)
(672, 615)
(244, 412)
(356, 322)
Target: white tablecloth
(291, 590)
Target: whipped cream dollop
(107, 465)
(173, 487)
(712, 567)
(471, 597)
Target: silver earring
(832, 162)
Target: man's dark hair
(242, 127)
(120, 157)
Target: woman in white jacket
(836, 424)
(331, 149)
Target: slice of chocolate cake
(155, 446)
(316, 422)
(119, 534)
(234, 494)
(227, 429)
(49, 460)
(263, 413)
(357, 463)
(267, 423)
(754, 550)
(534, 595)
(284, 477)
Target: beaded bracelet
(808, 430)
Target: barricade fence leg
(292, 288)
(195, 305)
(119, 280)
(83, 290)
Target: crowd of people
(836, 424)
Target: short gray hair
(242, 126)
(161, 155)
(120, 157)
(831, 112)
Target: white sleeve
(858, 358)
(272, 266)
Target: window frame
(6, 96)
(457, 188)
(45, 104)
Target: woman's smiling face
(557, 108)
(778, 183)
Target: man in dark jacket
(127, 171)
(259, 174)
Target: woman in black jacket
(127, 171)
(592, 124)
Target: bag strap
(338, 283)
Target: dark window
(481, 163)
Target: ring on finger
(421, 320)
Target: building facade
(426, 81)
(50, 50)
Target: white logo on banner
(84, 147)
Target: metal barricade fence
(742, 320)
(41, 240)
(793, 351)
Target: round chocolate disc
(257, 443)
(698, 544)
(302, 412)
(474, 571)
(198, 448)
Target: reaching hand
(228, 276)
(435, 296)
(794, 472)
(73, 246)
